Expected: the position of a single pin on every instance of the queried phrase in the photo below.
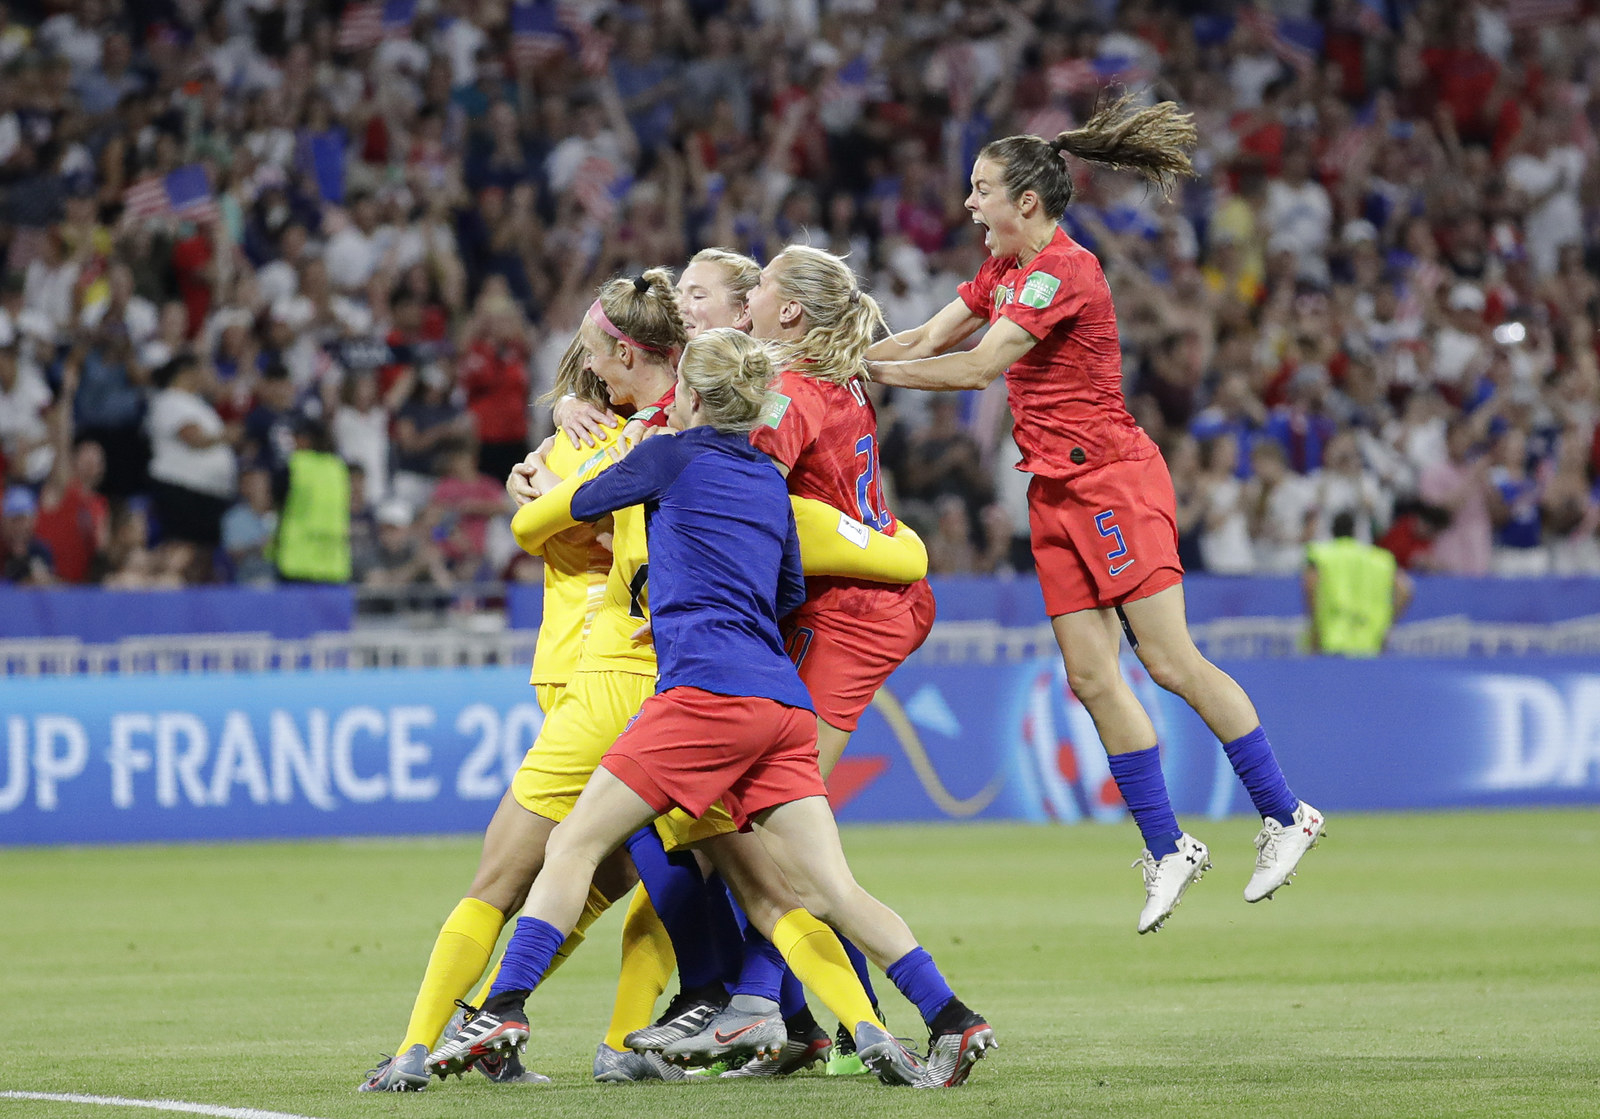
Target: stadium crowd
(229, 226)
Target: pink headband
(603, 321)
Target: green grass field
(1422, 965)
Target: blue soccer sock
(527, 957)
(727, 930)
(679, 896)
(863, 972)
(764, 969)
(791, 995)
(919, 980)
(1144, 790)
(1254, 762)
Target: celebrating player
(732, 720)
(1101, 504)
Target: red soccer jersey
(827, 435)
(1066, 392)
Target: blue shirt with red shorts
(724, 559)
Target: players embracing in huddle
(762, 678)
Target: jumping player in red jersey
(1101, 505)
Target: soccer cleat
(406, 1072)
(1279, 850)
(952, 1052)
(803, 1049)
(886, 1055)
(748, 1025)
(624, 1066)
(1166, 880)
(497, 1069)
(482, 1034)
(685, 1016)
(842, 1059)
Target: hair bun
(641, 284)
(855, 296)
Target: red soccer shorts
(844, 659)
(689, 748)
(1106, 537)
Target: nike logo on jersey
(1118, 569)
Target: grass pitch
(1422, 965)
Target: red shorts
(844, 659)
(689, 748)
(1106, 537)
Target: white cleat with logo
(1166, 879)
(1279, 850)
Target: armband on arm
(832, 543)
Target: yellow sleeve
(543, 517)
(832, 543)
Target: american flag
(184, 193)
(598, 185)
(361, 26)
(1540, 13)
(544, 29)
(1296, 41)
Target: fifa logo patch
(1039, 290)
(773, 409)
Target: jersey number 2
(869, 486)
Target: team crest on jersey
(1039, 290)
(773, 409)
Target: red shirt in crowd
(495, 379)
(72, 527)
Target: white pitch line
(154, 1105)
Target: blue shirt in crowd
(724, 559)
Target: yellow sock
(817, 959)
(597, 904)
(459, 955)
(647, 963)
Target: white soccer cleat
(1279, 850)
(1166, 880)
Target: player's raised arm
(954, 323)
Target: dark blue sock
(1253, 761)
(863, 972)
(528, 954)
(1144, 790)
(918, 979)
(727, 931)
(791, 995)
(763, 971)
(679, 896)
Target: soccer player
(636, 361)
(1101, 505)
(732, 719)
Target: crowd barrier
(393, 752)
(92, 615)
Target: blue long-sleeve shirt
(724, 559)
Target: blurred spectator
(1345, 485)
(950, 550)
(1515, 495)
(400, 559)
(494, 375)
(25, 450)
(361, 433)
(1354, 592)
(249, 527)
(463, 503)
(313, 543)
(425, 422)
(1278, 504)
(193, 473)
(74, 519)
(1225, 547)
(1459, 485)
(27, 559)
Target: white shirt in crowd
(1299, 214)
(1225, 540)
(1280, 534)
(208, 470)
(363, 438)
(22, 421)
(1558, 220)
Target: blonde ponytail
(841, 319)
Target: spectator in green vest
(1354, 592)
(314, 525)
